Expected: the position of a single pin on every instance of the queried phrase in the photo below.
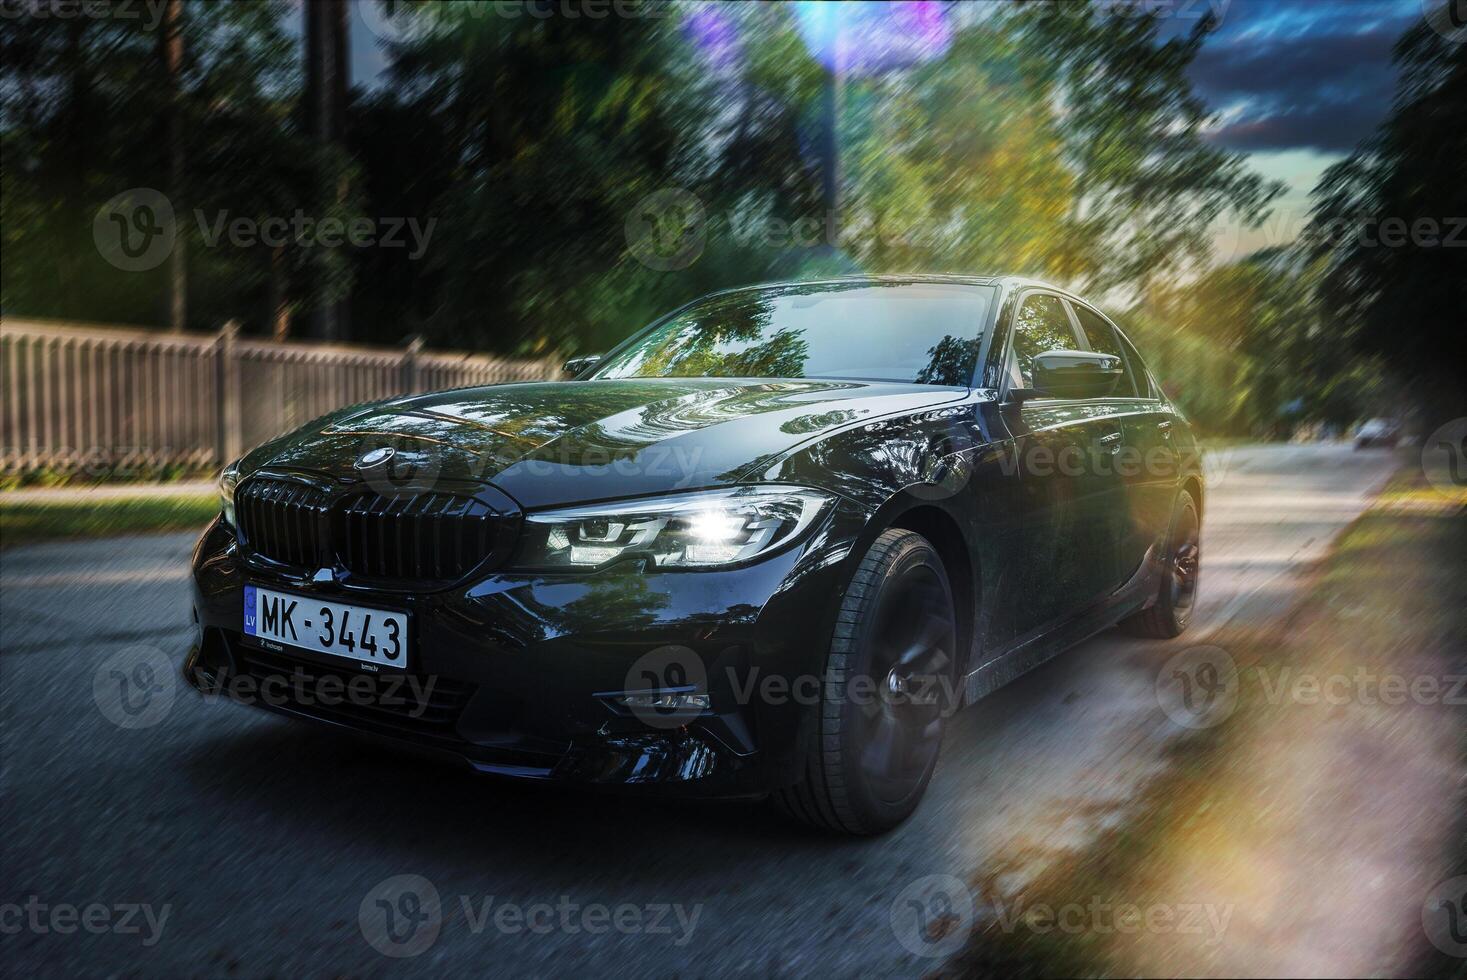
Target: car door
(1143, 454)
(1165, 445)
(1065, 549)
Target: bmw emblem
(375, 457)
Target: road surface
(249, 845)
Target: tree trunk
(279, 295)
(170, 50)
(327, 77)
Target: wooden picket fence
(101, 397)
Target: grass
(1309, 822)
(29, 522)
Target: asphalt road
(220, 840)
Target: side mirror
(578, 365)
(1077, 373)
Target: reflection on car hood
(561, 442)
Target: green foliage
(1069, 147)
(1404, 303)
(25, 523)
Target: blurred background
(1263, 194)
(220, 220)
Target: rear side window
(1145, 387)
(1042, 325)
(1104, 339)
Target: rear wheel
(884, 693)
(1177, 594)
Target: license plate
(374, 638)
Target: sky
(1297, 84)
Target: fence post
(228, 438)
(410, 382)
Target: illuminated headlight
(228, 480)
(695, 530)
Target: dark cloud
(1335, 128)
(1324, 86)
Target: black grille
(407, 539)
(414, 536)
(281, 520)
(430, 706)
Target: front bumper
(515, 673)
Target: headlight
(228, 480)
(695, 530)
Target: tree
(1395, 288)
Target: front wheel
(1177, 594)
(887, 685)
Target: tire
(1176, 597)
(883, 699)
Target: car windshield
(925, 333)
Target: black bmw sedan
(765, 547)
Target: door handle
(1165, 428)
(1113, 441)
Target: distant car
(762, 548)
(1377, 432)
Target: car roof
(914, 278)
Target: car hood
(565, 442)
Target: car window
(1145, 385)
(1042, 325)
(923, 333)
(1104, 339)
